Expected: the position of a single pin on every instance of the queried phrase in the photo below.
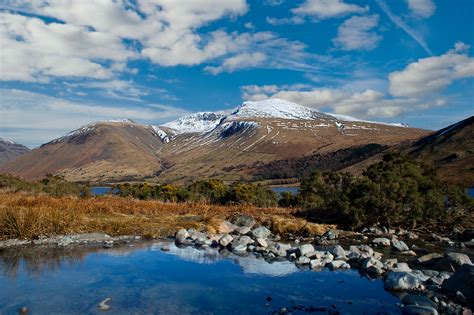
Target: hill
(9, 150)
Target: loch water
(140, 278)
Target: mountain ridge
(203, 145)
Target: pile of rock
(242, 236)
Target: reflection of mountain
(249, 264)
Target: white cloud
(99, 37)
(403, 25)
(273, 3)
(324, 9)
(422, 8)
(357, 33)
(366, 104)
(283, 21)
(40, 118)
(432, 74)
(241, 61)
(33, 50)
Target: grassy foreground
(26, 215)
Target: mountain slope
(10, 150)
(206, 145)
(450, 151)
(104, 151)
(262, 132)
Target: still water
(143, 279)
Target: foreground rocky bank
(429, 273)
(441, 281)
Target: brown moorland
(24, 215)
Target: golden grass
(31, 215)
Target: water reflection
(142, 279)
(249, 264)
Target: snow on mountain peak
(276, 108)
(195, 123)
(7, 141)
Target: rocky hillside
(206, 145)
(9, 150)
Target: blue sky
(65, 63)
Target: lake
(141, 278)
(278, 190)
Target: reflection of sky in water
(143, 279)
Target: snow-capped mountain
(195, 123)
(204, 145)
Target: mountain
(9, 150)
(266, 131)
(205, 145)
(103, 151)
(450, 151)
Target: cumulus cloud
(432, 74)
(35, 118)
(422, 8)
(241, 61)
(324, 9)
(365, 104)
(357, 33)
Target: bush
(53, 185)
(398, 191)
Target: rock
(23, 311)
(280, 249)
(383, 241)
(390, 263)
(409, 253)
(103, 305)
(246, 240)
(225, 240)
(261, 242)
(366, 249)
(452, 261)
(327, 257)
(226, 227)
(420, 276)
(242, 230)
(331, 234)
(399, 245)
(412, 299)
(304, 249)
(165, 248)
(65, 241)
(338, 252)
(429, 259)
(261, 232)
(418, 310)
(371, 261)
(239, 248)
(181, 236)
(108, 244)
(303, 260)
(339, 264)
(316, 254)
(401, 267)
(469, 243)
(463, 281)
(401, 281)
(317, 264)
(243, 220)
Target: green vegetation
(398, 191)
(207, 191)
(53, 185)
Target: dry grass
(29, 215)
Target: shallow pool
(143, 279)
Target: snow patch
(195, 123)
(161, 134)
